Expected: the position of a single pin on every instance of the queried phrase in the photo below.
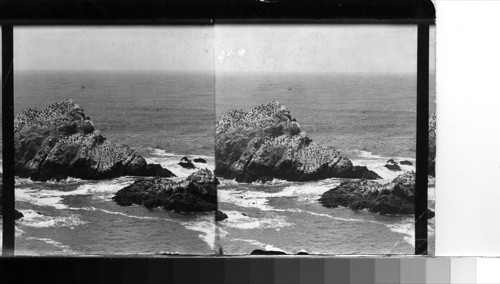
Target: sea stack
(198, 193)
(268, 142)
(396, 197)
(61, 141)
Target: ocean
(166, 116)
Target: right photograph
(315, 141)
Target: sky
(323, 48)
(227, 48)
(173, 48)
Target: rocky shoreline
(396, 197)
(197, 193)
(267, 142)
(61, 141)
(260, 145)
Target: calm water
(166, 116)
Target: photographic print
(223, 139)
(315, 139)
(114, 140)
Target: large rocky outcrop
(396, 197)
(198, 193)
(61, 141)
(267, 141)
(432, 145)
(17, 214)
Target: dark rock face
(220, 216)
(199, 160)
(61, 141)
(405, 162)
(396, 197)
(432, 145)
(186, 163)
(198, 193)
(17, 214)
(392, 165)
(267, 141)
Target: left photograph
(114, 150)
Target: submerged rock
(61, 141)
(220, 216)
(186, 163)
(17, 215)
(432, 145)
(198, 193)
(406, 162)
(392, 165)
(200, 160)
(268, 142)
(396, 197)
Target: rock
(60, 141)
(392, 165)
(186, 163)
(430, 214)
(396, 197)
(267, 141)
(264, 179)
(198, 193)
(406, 162)
(200, 160)
(168, 253)
(302, 252)
(220, 216)
(17, 215)
(267, 252)
(432, 145)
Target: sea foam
(171, 161)
(36, 220)
(240, 221)
(204, 224)
(377, 164)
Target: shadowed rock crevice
(268, 142)
(61, 141)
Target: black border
(422, 170)
(159, 12)
(208, 12)
(8, 197)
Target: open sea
(166, 116)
